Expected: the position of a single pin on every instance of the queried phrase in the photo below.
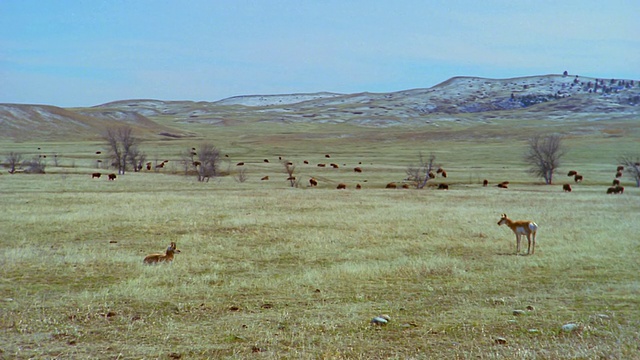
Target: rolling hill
(550, 96)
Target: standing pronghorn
(166, 257)
(522, 227)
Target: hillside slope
(467, 99)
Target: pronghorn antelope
(522, 227)
(166, 257)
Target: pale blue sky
(83, 53)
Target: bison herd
(616, 188)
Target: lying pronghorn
(522, 227)
(166, 257)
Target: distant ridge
(553, 96)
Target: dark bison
(342, 186)
(265, 178)
(96, 175)
(615, 190)
(620, 168)
(566, 188)
(618, 174)
(503, 185)
(391, 185)
(443, 187)
(313, 182)
(578, 178)
(357, 169)
(112, 177)
(485, 183)
(572, 173)
(358, 186)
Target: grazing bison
(335, 166)
(96, 175)
(615, 190)
(444, 174)
(616, 182)
(578, 178)
(341, 186)
(306, 162)
(391, 185)
(313, 182)
(432, 175)
(620, 168)
(240, 164)
(266, 160)
(357, 169)
(265, 178)
(566, 188)
(291, 178)
(112, 177)
(443, 186)
(485, 183)
(572, 173)
(405, 186)
(358, 186)
(196, 163)
(327, 156)
(503, 185)
(439, 171)
(322, 165)
(619, 174)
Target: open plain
(273, 271)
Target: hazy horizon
(84, 53)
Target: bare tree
(136, 158)
(122, 144)
(631, 165)
(241, 175)
(13, 160)
(290, 169)
(543, 155)
(422, 173)
(35, 166)
(208, 162)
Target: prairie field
(271, 271)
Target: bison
(96, 175)
(572, 173)
(358, 186)
(566, 188)
(342, 186)
(391, 185)
(443, 186)
(578, 178)
(265, 178)
(357, 169)
(112, 177)
(620, 168)
(616, 182)
(313, 182)
(485, 183)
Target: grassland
(273, 272)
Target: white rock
(569, 327)
(381, 320)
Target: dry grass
(273, 272)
